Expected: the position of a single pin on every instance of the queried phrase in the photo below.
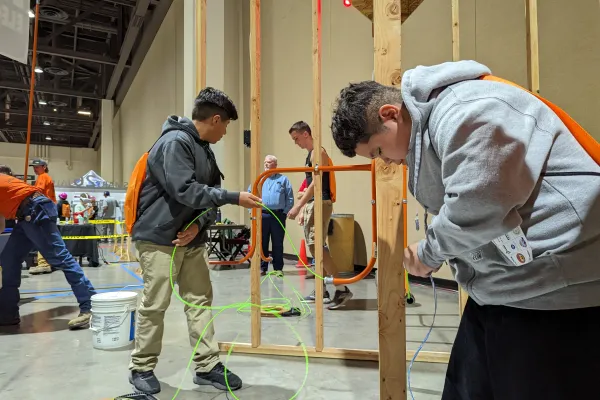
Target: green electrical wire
(244, 306)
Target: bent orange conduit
(255, 214)
(338, 168)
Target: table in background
(82, 247)
(223, 241)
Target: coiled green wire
(245, 307)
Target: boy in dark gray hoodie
(516, 201)
(182, 180)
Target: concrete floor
(42, 359)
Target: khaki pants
(190, 271)
(309, 221)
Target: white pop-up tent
(90, 180)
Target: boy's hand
(185, 237)
(294, 212)
(413, 265)
(248, 200)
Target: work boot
(340, 298)
(42, 267)
(216, 378)
(145, 382)
(81, 321)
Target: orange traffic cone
(303, 259)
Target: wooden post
(317, 177)
(462, 295)
(533, 55)
(200, 45)
(390, 273)
(255, 165)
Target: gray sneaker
(340, 298)
(311, 298)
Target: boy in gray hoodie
(516, 201)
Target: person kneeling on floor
(182, 179)
(36, 228)
(515, 187)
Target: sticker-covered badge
(515, 247)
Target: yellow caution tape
(93, 237)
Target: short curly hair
(6, 170)
(356, 113)
(210, 102)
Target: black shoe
(145, 382)
(9, 321)
(216, 378)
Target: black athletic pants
(504, 353)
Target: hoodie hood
(182, 124)
(420, 88)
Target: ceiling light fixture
(55, 110)
(48, 138)
(47, 123)
(38, 70)
(42, 102)
(84, 112)
(31, 14)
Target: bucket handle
(122, 320)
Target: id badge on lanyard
(515, 247)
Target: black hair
(300, 126)
(5, 169)
(356, 113)
(211, 102)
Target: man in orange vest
(36, 226)
(45, 184)
(516, 199)
(300, 133)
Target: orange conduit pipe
(31, 88)
(365, 272)
(263, 177)
(360, 167)
(256, 214)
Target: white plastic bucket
(113, 319)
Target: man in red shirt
(36, 227)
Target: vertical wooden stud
(390, 274)
(318, 202)
(200, 45)
(255, 125)
(533, 51)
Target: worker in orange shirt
(36, 226)
(45, 184)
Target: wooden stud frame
(391, 304)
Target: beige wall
(65, 164)
(287, 92)
(155, 93)
(570, 58)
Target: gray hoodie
(486, 158)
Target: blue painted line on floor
(68, 289)
(130, 272)
(48, 296)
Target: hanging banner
(14, 29)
